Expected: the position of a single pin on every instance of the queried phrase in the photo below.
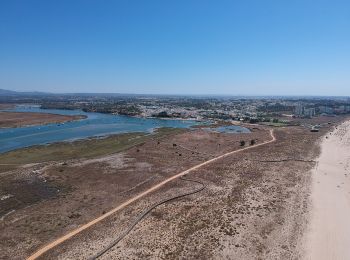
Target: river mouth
(94, 125)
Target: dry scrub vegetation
(248, 209)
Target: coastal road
(69, 235)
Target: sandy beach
(328, 236)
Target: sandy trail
(66, 237)
(329, 233)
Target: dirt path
(143, 194)
(329, 234)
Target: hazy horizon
(180, 95)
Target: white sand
(328, 236)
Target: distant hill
(5, 92)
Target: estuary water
(96, 124)
(229, 129)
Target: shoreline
(90, 138)
(30, 124)
(328, 232)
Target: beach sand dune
(329, 230)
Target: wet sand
(328, 236)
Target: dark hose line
(145, 213)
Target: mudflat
(18, 119)
(6, 106)
(329, 230)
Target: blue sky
(248, 47)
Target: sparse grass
(86, 148)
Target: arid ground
(17, 119)
(255, 204)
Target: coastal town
(248, 109)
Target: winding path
(69, 235)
